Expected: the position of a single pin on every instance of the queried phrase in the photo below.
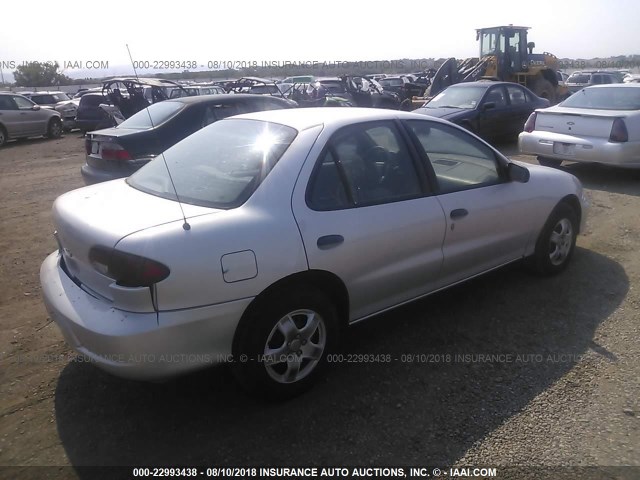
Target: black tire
(265, 359)
(54, 129)
(4, 137)
(543, 88)
(549, 162)
(556, 242)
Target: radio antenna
(185, 225)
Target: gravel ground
(517, 369)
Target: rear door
(365, 214)
(486, 215)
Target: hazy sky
(313, 30)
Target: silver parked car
(21, 118)
(59, 101)
(599, 124)
(276, 229)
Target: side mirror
(488, 106)
(518, 173)
(35, 107)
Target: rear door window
(7, 103)
(364, 164)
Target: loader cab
(508, 46)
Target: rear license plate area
(562, 148)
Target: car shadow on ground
(409, 410)
(605, 177)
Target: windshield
(609, 98)
(457, 97)
(152, 116)
(219, 166)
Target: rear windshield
(153, 115)
(93, 100)
(219, 166)
(609, 98)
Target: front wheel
(3, 136)
(281, 346)
(54, 130)
(556, 242)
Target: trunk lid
(101, 215)
(576, 121)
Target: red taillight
(530, 124)
(619, 131)
(87, 145)
(114, 152)
(127, 269)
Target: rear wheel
(54, 130)
(556, 242)
(549, 162)
(281, 346)
(3, 136)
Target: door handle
(459, 213)
(329, 241)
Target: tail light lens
(87, 145)
(113, 151)
(127, 269)
(619, 131)
(530, 124)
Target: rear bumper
(92, 175)
(585, 149)
(142, 346)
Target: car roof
(144, 81)
(481, 83)
(217, 96)
(304, 118)
(614, 85)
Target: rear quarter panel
(264, 225)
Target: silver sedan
(599, 124)
(274, 230)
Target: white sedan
(274, 230)
(598, 124)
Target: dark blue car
(492, 110)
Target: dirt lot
(568, 396)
